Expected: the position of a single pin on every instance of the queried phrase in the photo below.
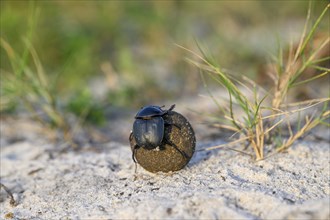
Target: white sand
(219, 184)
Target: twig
(12, 200)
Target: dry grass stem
(256, 127)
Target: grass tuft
(30, 86)
(259, 123)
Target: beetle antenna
(176, 148)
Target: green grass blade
(310, 79)
(311, 32)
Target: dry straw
(255, 128)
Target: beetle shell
(149, 133)
(166, 158)
(149, 111)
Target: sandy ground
(221, 184)
(99, 182)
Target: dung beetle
(148, 129)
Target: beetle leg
(135, 170)
(130, 138)
(134, 148)
(134, 152)
(176, 148)
(171, 108)
(168, 124)
(168, 110)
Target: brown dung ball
(166, 158)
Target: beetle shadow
(201, 156)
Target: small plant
(25, 85)
(29, 87)
(260, 122)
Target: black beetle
(148, 129)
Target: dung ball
(166, 158)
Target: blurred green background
(124, 53)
